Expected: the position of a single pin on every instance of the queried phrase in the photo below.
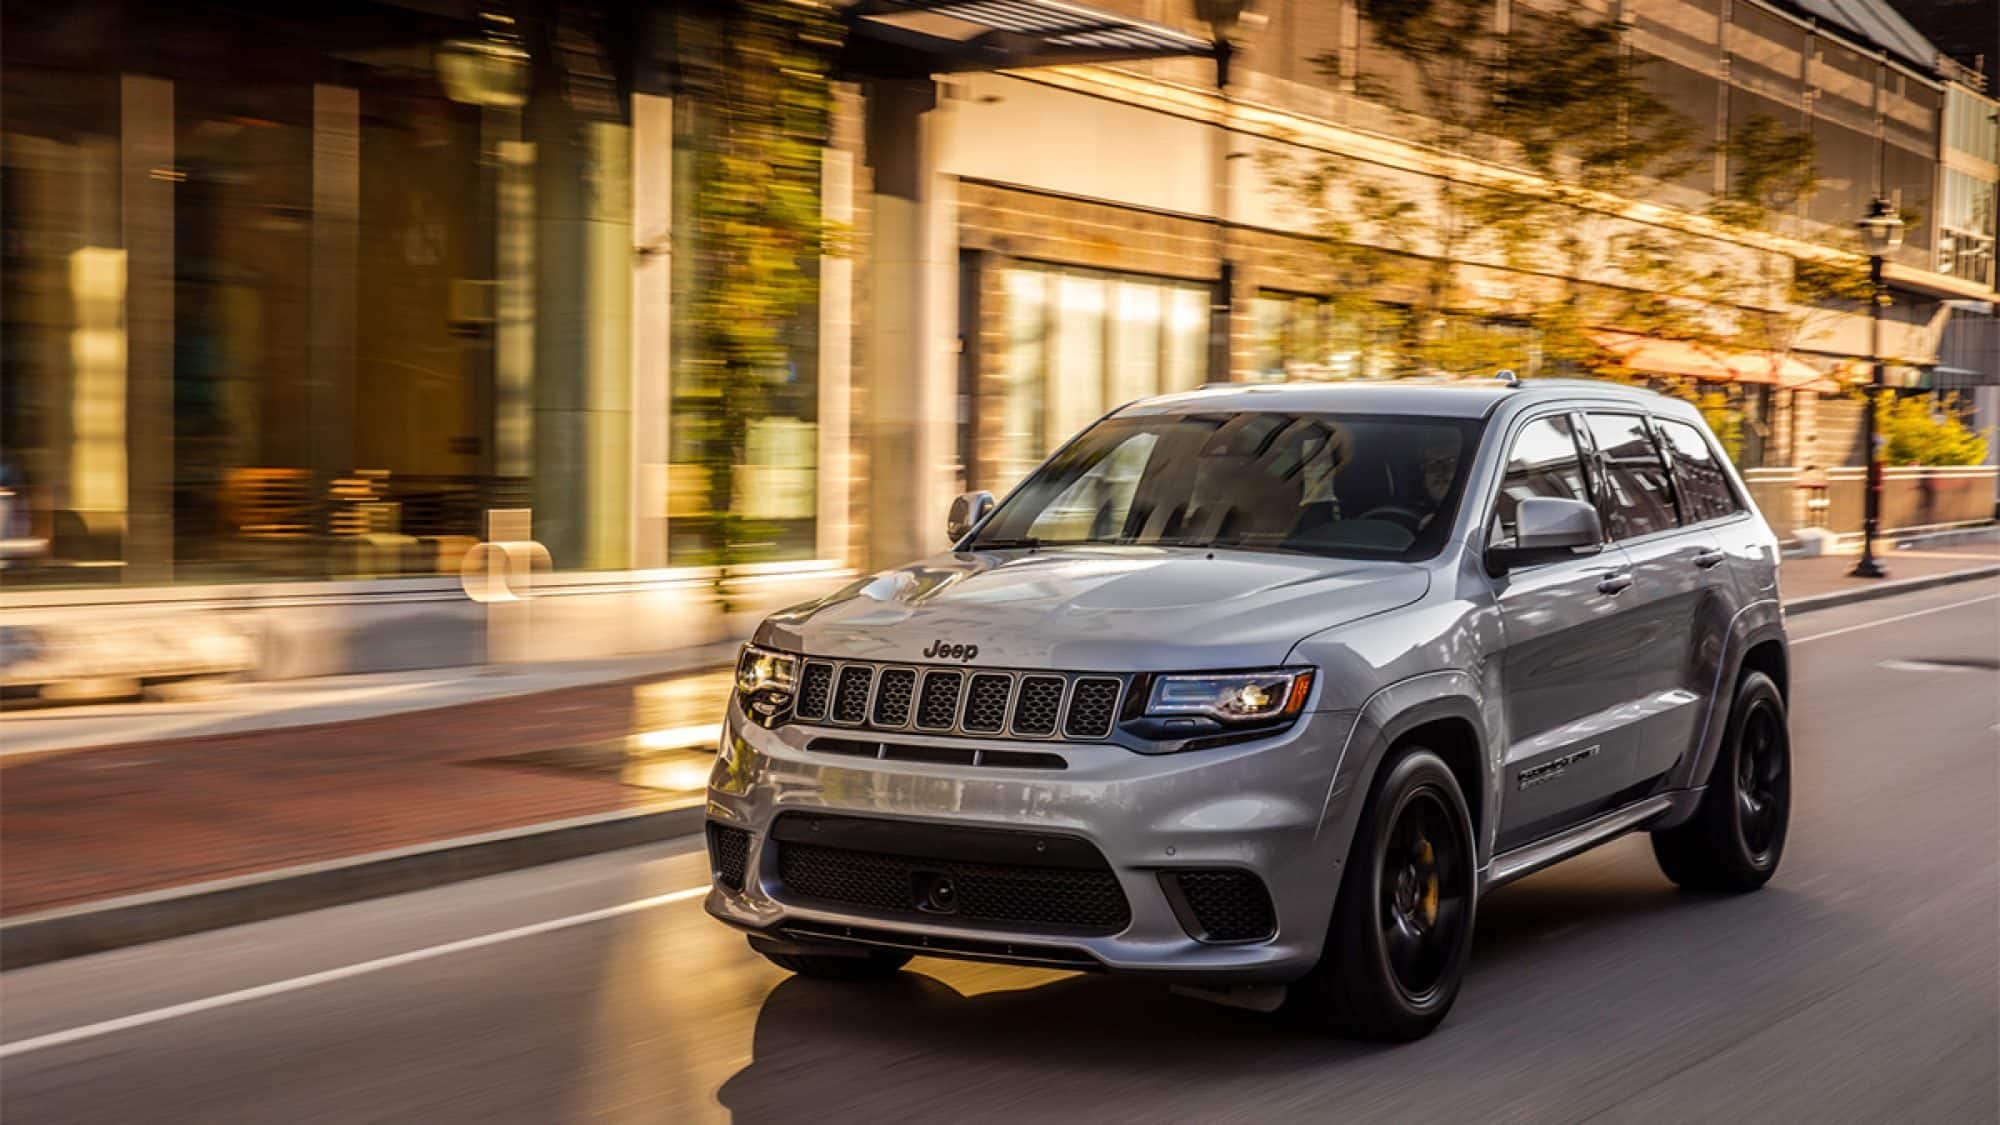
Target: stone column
(652, 322)
(836, 347)
(336, 215)
(912, 377)
(148, 175)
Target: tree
(761, 80)
(1557, 96)
(1920, 431)
(1739, 292)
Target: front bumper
(1257, 807)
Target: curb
(96, 927)
(1888, 589)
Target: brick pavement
(93, 824)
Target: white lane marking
(1892, 620)
(312, 980)
(1924, 666)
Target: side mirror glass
(967, 511)
(1548, 529)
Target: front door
(1569, 661)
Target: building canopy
(1713, 362)
(912, 38)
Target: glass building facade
(304, 294)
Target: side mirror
(1548, 529)
(966, 513)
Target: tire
(872, 965)
(1401, 934)
(1734, 840)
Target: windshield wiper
(1003, 544)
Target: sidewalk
(1806, 581)
(246, 792)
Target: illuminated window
(1078, 343)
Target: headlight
(1232, 697)
(765, 681)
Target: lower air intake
(1222, 905)
(728, 854)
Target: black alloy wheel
(1733, 841)
(1424, 887)
(1763, 781)
(1401, 933)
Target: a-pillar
(911, 380)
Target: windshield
(1354, 486)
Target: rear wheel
(1402, 923)
(1734, 840)
(865, 965)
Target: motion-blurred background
(294, 296)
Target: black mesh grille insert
(815, 691)
(1226, 905)
(937, 704)
(1091, 707)
(1037, 705)
(850, 697)
(986, 703)
(728, 854)
(1088, 902)
(893, 697)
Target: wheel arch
(1757, 643)
(1442, 711)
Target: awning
(918, 37)
(1656, 356)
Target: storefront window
(1081, 342)
(1307, 338)
(280, 304)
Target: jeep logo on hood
(939, 650)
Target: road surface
(1862, 985)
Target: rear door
(1677, 614)
(1568, 661)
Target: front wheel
(1402, 923)
(1733, 842)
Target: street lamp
(1881, 233)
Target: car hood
(1095, 609)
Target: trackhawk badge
(939, 650)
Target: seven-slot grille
(1078, 707)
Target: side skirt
(1530, 858)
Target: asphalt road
(1862, 985)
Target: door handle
(1708, 560)
(1614, 584)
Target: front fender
(1389, 714)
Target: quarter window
(1699, 478)
(1543, 462)
(1638, 493)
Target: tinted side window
(1640, 498)
(1699, 478)
(1543, 462)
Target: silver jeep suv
(1258, 689)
